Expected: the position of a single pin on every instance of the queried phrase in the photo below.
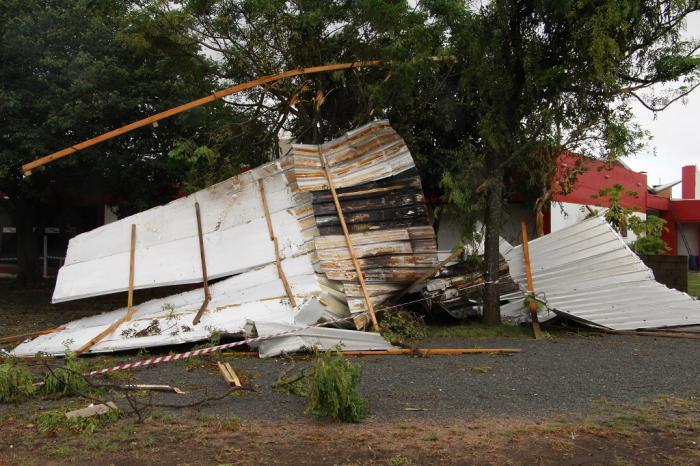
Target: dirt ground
(575, 398)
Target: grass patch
(479, 330)
(400, 460)
(694, 284)
(662, 414)
(219, 423)
(55, 421)
(481, 369)
(333, 390)
(15, 383)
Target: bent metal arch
(28, 167)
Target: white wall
(565, 214)
(690, 230)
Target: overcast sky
(675, 133)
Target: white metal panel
(236, 238)
(321, 338)
(588, 273)
(254, 295)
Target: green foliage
(399, 325)
(617, 215)
(66, 381)
(621, 218)
(333, 390)
(55, 421)
(15, 383)
(649, 233)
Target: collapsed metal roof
(586, 272)
(382, 200)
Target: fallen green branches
(15, 383)
(333, 390)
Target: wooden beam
(130, 310)
(202, 257)
(537, 333)
(28, 167)
(278, 263)
(430, 351)
(22, 336)
(348, 240)
(229, 374)
(132, 256)
(654, 333)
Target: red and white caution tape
(212, 349)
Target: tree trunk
(28, 239)
(492, 222)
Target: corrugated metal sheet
(379, 191)
(588, 273)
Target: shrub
(333, 390)
(15, 383)
(399, 325)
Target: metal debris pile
(283, 242)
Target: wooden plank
(23, 336)
(430, 351)
(370, 307)
(533, 304)
(280, 271)
(233, 375)
(229, 374)
(205, 278)
(225, 373)
(28, 167)
(130, 292)
(130, 310)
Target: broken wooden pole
(129, 301)
(537, 333)
(229, 374)
(653, 333)
(205, 283)
(348, 240)
(28, 167)
(429, 351)
(23, 336)
(278, 261)
(132, 257)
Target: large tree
(72, 70)
(544, 76)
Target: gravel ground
(547, 379)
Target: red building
(682, 215)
